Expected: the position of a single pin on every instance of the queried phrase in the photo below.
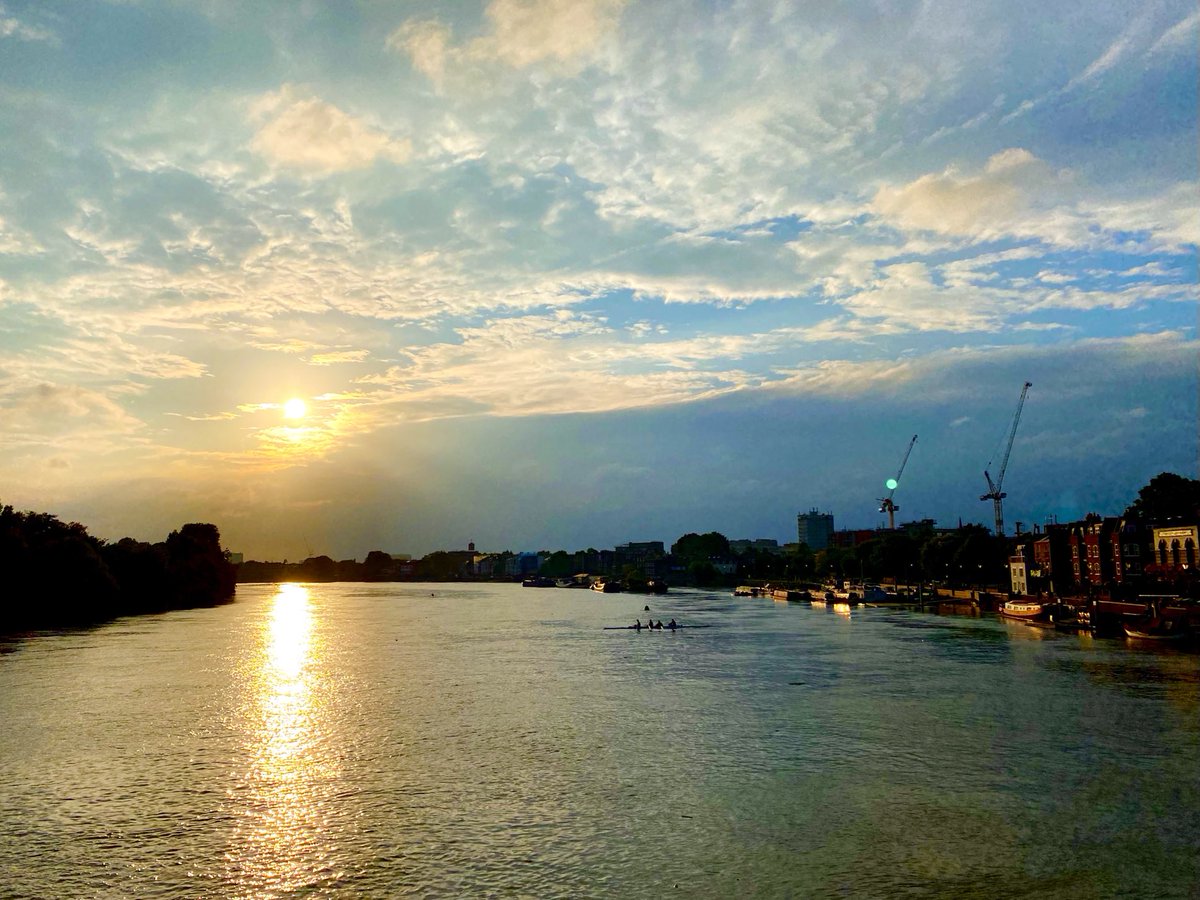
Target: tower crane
(885, 503)
(994, 491)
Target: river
(490, 740)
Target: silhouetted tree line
(55, 573)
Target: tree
(1166, 498)
(319, 568)
(200, 573)
(694, 547)
(377, 566)
(703, 574)
(832, 562)
(141, 571)
(559, 564)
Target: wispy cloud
(521, 33)
(12, 27)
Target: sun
(295, 409)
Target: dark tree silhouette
(1167, 498)
(694, 547)
(55, 573)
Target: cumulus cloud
(990, 204)
(305, 132)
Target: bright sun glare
(294, 409)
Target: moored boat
(606, 587)
(538, 581)
(1032, 612)
(1157, 629)
(1076, 620)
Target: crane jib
(995, 492)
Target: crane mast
(885, 503)
(995, 491)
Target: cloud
(304, 132)
(338, 356)
(987, 205)
(52, 415)
(1114, 53)
(1085, 367)
(525, 32)
(1178, 36)
(11, 27)
(1017, 196)
(427, 43)
(563, 34)
(906, 296)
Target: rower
(672, 625)
(637, 625)
(658, 624)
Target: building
(759, 545)
(815, 529)
(1130, 552)
(1175, 548)
(1097, 539)
(522, 564)
(850, 538)
(635, 553)
(1018, 576)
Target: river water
(479, 740)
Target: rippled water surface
(440, 740)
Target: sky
(568, 273)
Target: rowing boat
(648, 628)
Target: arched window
(1175, 553)
(1189, 552)
(1162, 552)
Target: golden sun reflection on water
(282, 812)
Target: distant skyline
(569, 273)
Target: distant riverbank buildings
(1104, 555)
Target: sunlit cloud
(521, 33)
(305, 132)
